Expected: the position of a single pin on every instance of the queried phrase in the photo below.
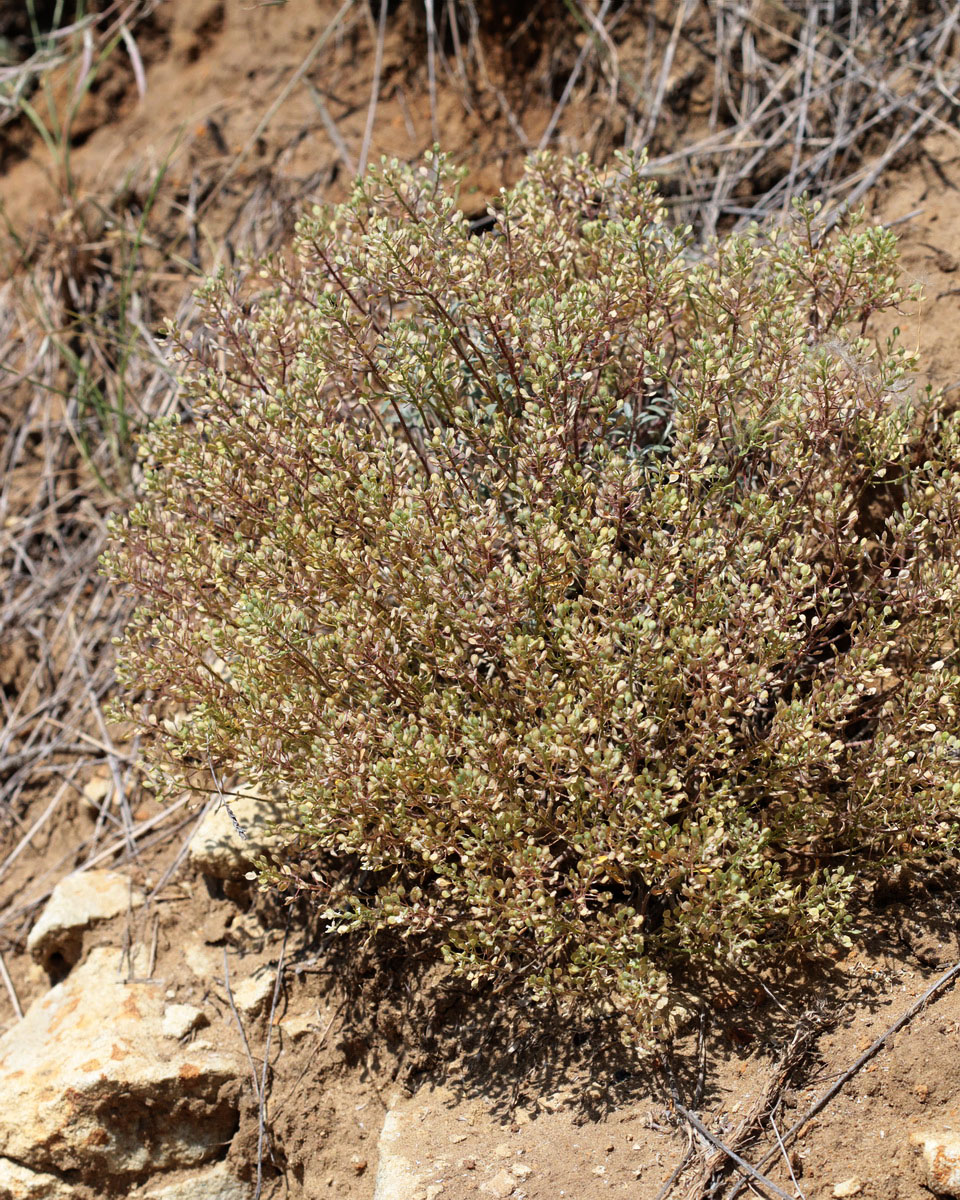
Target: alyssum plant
(592, 601)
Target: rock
(78, 902)
(397, 1178)
(941, 1160)
(20, 1183)
(216, 1183)
(299, 1025)
(554, 1103)
(218, 849)
(501, 1185)
(181, 1019)
(203, 962)
(92, 1086)
(252, 993)
(96, 790)
(849, 1187)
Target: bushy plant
(590, 598)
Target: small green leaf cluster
(590, 596)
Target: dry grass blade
(832, 82)
(572, 79)
(748, 1171)
(374, 87)
(652, 114)
(262, 1115)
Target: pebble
(847, 1187)
(181, 1019)
(941, 1161)
(501, 1185)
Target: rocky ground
(199, 1036)
(168, 1032)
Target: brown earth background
(206, 125)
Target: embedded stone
(216, 1183)
(181, 1019)
(941, 1161)
(76, 903)
(234, 832)
(93, 1087)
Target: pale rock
(96, 790)
(941, 1161)
(298, 1026)
(91, 1086)
(501, 1185)
(181, 1019)
(433, 1191)
(218, 849)
(252, 993)
(503, 1150)
(202, 961)
(76, 903)
(216, 1183)
(521, 1171)
(554, 1103)
(20, 1183)
(848, 1187)
(397, 1177)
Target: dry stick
(243, 1032)
(699, 1126)
(880, 166)
(309, 1060)
(151, 966)
(11, 990)
(374, 97)
(678, 1171)
(571, 82)
(895, 102)
(786, 1157)
(262, 1118)
(652, 116)
(332, 131)
(593, 20)
(828, 1095)
(120, 790)
(809, 40)
(129, 759)
(432, 65)
(107, 852)
(33, 830)
(844, 106)
(179, 856)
